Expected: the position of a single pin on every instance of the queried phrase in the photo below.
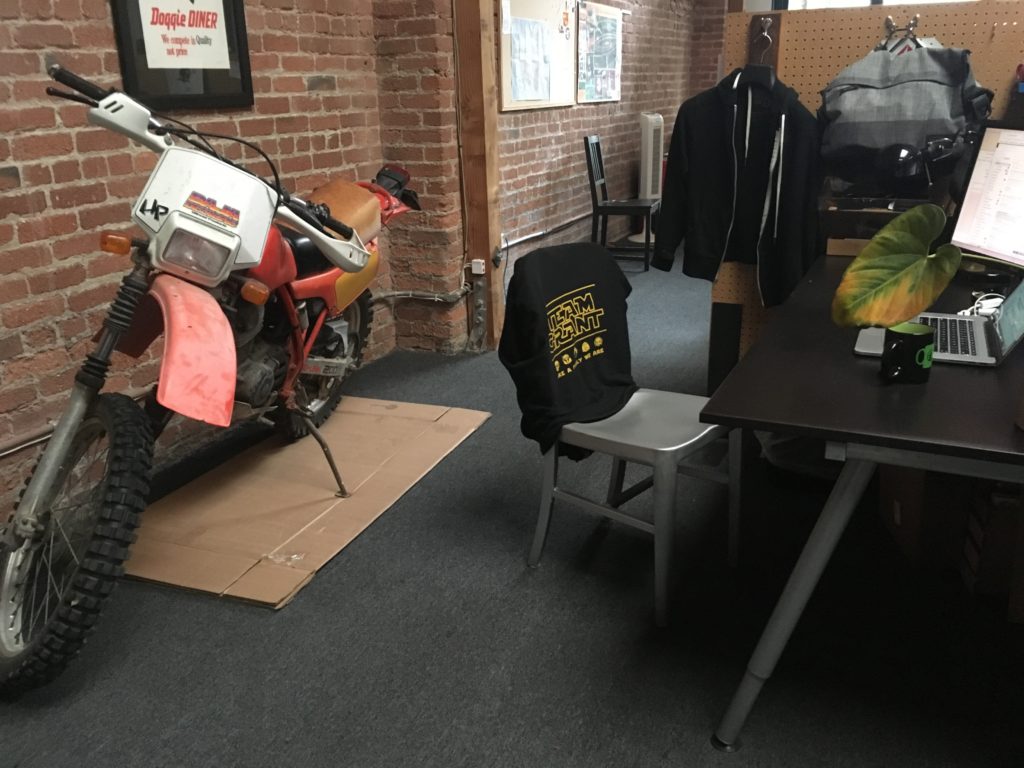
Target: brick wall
(708, 44)
(543, 170)
(340, 86)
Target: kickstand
(342, 491)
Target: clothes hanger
(760, 73)
(909, 35)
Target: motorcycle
(263, 302)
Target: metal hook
(766, 23)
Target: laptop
(990, 222)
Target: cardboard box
(259, 526)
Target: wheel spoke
(49, 576)
(86, 470)
(26, 632)
(71, 548)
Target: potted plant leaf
(891, 281)
(896, 276)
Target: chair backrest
(566, 341)
(595, 169)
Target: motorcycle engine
(261, 370)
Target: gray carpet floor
(427, 642)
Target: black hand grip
(319, 216)
(80, 84)
(50, 91)
(342, 229)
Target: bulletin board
(538, 54)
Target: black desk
(802, 378)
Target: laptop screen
(991, 219)
(1010, 319)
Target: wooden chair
(603, 207)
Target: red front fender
(197, 373)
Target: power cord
(985, 304)
(504, 269)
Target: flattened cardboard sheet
(260, 525)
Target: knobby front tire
(53, 587)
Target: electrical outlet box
(477, 266)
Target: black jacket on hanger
(565, 341)
(742, 184)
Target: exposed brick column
(418, 130)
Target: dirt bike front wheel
(322, 394)
(53, 586)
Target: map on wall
(538, 53)
(600, 53)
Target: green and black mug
(907, 353)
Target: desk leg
(815, 556)
(735, 494)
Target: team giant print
(575, 329)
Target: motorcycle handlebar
(80, 84)
(340, 227)
(316, 216)
(95, 92)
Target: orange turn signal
(255, 292)
(112, 242)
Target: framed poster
(538, 53)
(600, 53)
(181, 54)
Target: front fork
(89, 380)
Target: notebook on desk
(990, 222)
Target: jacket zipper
(775, 160)
(778, 189)
(735, 183)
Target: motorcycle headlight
(196, 254)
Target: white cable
(985, 304)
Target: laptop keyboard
(953, 335)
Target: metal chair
(565, 343)
(660, 430)
(603, 207)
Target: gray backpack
(885, 100)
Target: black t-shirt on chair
(565, 340)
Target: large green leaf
(896, 277)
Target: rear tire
(53, 587)
(322, 394)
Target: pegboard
(816, 45)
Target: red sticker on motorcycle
(207, 208)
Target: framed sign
(600, 53)
(181, 54)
